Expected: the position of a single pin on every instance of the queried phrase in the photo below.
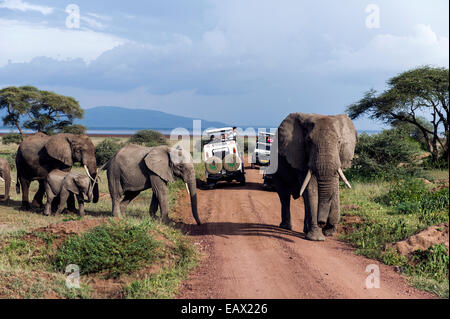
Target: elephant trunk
(192, 190)
(327, 180)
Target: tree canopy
(38, 110)
(412, 96)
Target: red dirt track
(247, 256)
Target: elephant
(5, 176)
(62, 184)
(40, 153)
(313, 151)
(135, 168)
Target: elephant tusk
(87, 172)
(305, 183)
(187, 188)
(341, 174)
(2, 179)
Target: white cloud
(22, 41)
(19, 5)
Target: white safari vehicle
(223, 159)
(261, 155)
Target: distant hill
(113, 117)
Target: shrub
(431, 263)
(11, 158)
(387, 155)
(148, 138)
(413, 197)
(114, 248)
(11, 138)
(106, 149)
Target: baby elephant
(63, 184)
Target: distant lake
(131, 131)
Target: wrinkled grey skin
(322, 144)
(5, 173)
(134, 169)
(39, 154)
(62, 184)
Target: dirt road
(247, 256)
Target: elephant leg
(129, 196)
(116, 193)
(285, 199)
(159, 188)
(80, 200)
(71, 203)
(154, 206)
(25, 184)
(38, 197)
(62, 200)
(7, 177)
(334, 216)
(311, 210)
(50, 198)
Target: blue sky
(244, 62)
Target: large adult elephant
(40, 153)
(313, 151)
(134, 169)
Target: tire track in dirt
(247, 256)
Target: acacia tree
(41, 111)
(16, 101)
(411, 96)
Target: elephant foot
(315, 234)
(329, 230)
(286, 226)
(25, 206)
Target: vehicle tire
(231, 162)
(210, 183)
(252, 165)
(242, 180)
(213, 165)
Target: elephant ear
(72, 183)
(348, 141)
(158, 161)
(291, 139)
(59, 148)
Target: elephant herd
(313, 151)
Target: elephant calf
(5, 176)
(62, 184)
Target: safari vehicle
(223, 159)
(261, 155)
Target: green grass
(113, 249)
(391, 212)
